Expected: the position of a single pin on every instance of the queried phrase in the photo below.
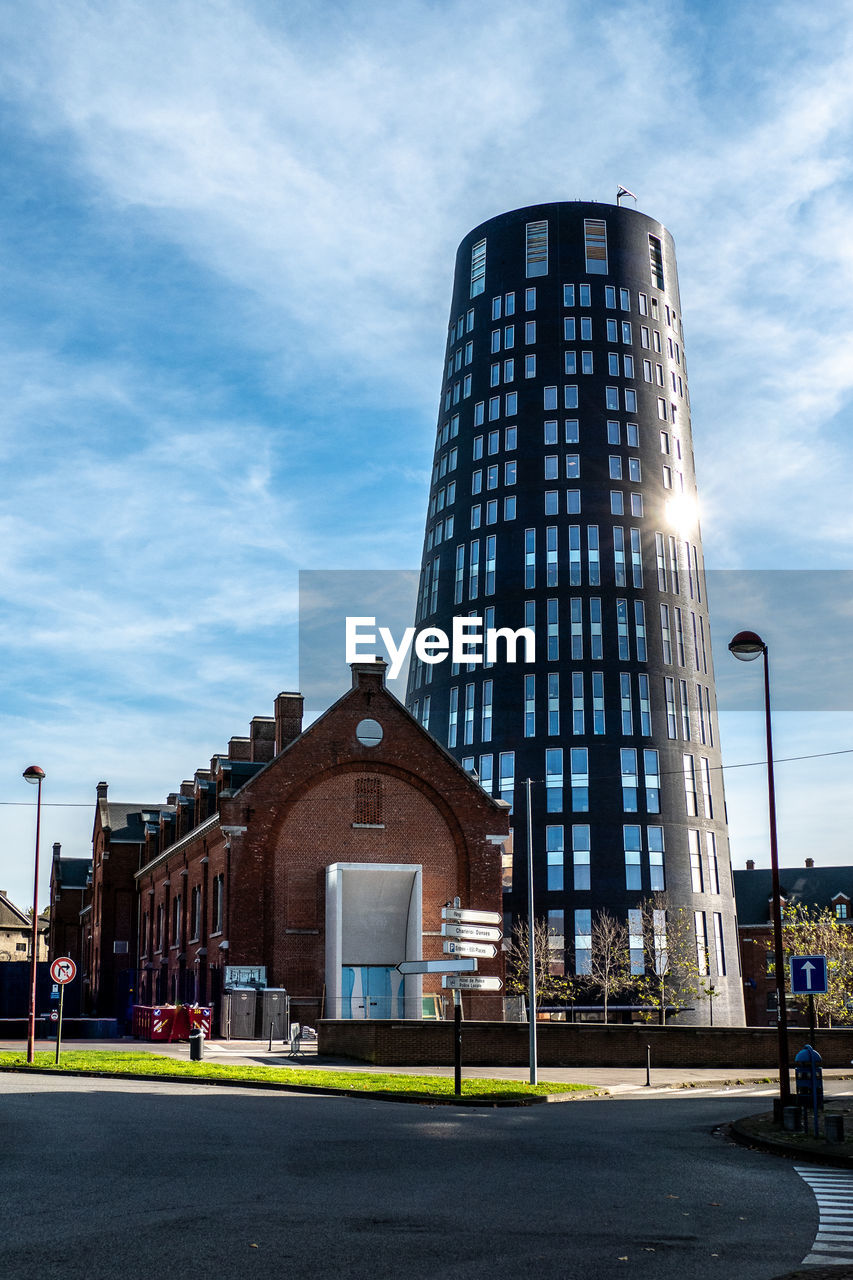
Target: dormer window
(841, 906)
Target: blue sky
(227, 233)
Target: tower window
(478, 268)
(580, 856)
(537, 248)
(656, 262)
(554, 847)
(633, 857)
(595, 244)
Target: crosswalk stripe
(833, 1192)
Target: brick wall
(492, 1044)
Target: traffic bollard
(196, 1044)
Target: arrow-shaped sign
(474, 982)
(437, 966)
(485, 949)
(473, 932)
(465, 915)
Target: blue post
(809, 1077)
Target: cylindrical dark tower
(563, 499)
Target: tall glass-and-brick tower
(563, 499)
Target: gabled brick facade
(246, 883)
(70, 879)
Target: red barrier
(162, 1022)
(201, 1017)
(169, 1021)
(141, 1022)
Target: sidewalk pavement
(615, 1080)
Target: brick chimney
(288, 719)
(240, 749)
(102, 790)
(750, 865)
(368, 675)
(57, 848)
(809, 862)
(262, 733)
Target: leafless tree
(551, 983)
(671, 966)
(609, 966)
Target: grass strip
(103, 1062)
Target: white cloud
(303, 175)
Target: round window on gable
(369, 733)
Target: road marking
(833, 1191)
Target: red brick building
(70, 881)
(817, 888)
(109, 910)
(322, 857)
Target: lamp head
(34, 774)
(747, 646)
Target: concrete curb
(322, 1090)
(781, 1147)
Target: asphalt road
(116, 1180)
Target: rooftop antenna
(623, 191)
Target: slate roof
(813, 886)
(125, 820)
(72, 873)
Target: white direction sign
(462, 915)
(471, 982)
(485, 949)
(437, 966)
(471, 932)
(63, 969)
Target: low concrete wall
(560, 1044)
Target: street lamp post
(747, 646)
(34, 775)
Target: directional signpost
(809, 978)
(62, 970)
(468, 934)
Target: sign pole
(812, 1025)
(457, 1043)
(531, 941)
(62, 970)
(59, 1024)
(457, 1028)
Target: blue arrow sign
(808, 975)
